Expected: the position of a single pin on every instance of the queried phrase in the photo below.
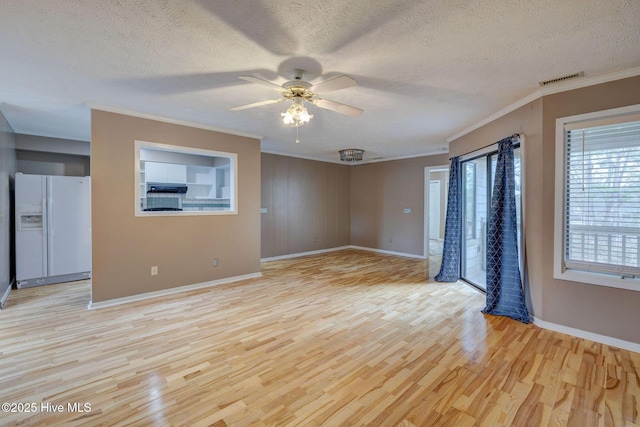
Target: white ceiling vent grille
(562, 79)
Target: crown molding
(408, 156)
(359, 163)
(300, 156)
(549, 90)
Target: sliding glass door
(477, 183)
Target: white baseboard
(339, 248)
(603, 339)
(6, 294)
(179, 289)
(299, 254)
(382, 251)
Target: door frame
(427, 180)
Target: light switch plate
(407, 210)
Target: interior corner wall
(379, 194)
(598, 309)
(307, 205)
(124, 247)
(7, 174)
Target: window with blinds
(601, 230)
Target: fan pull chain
(297, 139)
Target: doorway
(477, 176)
(436, 186)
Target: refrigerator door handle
(48, 209)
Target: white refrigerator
(53, 229)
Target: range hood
(159, 188)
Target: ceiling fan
(298, 90)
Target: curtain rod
(515, 135)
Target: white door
(69, 224)
(435, 181)
(434, 210)
(31, 244)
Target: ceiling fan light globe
(304, 116)
(287, 118)
(296, 114)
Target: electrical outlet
(154, 270)
(215, 262)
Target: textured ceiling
(425, 69)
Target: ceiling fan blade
(338, 107)
(256, 104)
(337, 83)
(261, 82)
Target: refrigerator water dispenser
(30, 221)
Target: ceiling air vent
(562, 79)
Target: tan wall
(45, 163)
(46, 144)
(125, 247)
(379, 193)
(597, 309)
(308, 205)
(602, 310)
(42, 155)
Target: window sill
(598, 279)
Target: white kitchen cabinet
(206, 182)
(200, 179)
(223, 178)
(176, 173)
(165, 173)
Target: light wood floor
(347, 338)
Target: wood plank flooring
(347, 338)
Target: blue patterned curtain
(450, 268)
(504, 285)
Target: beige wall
(308, 205)
(44, 163)
(43, 155)
(46, 144)
(602, 310)
(379, 194)
(125, 247)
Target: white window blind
(602, 196)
